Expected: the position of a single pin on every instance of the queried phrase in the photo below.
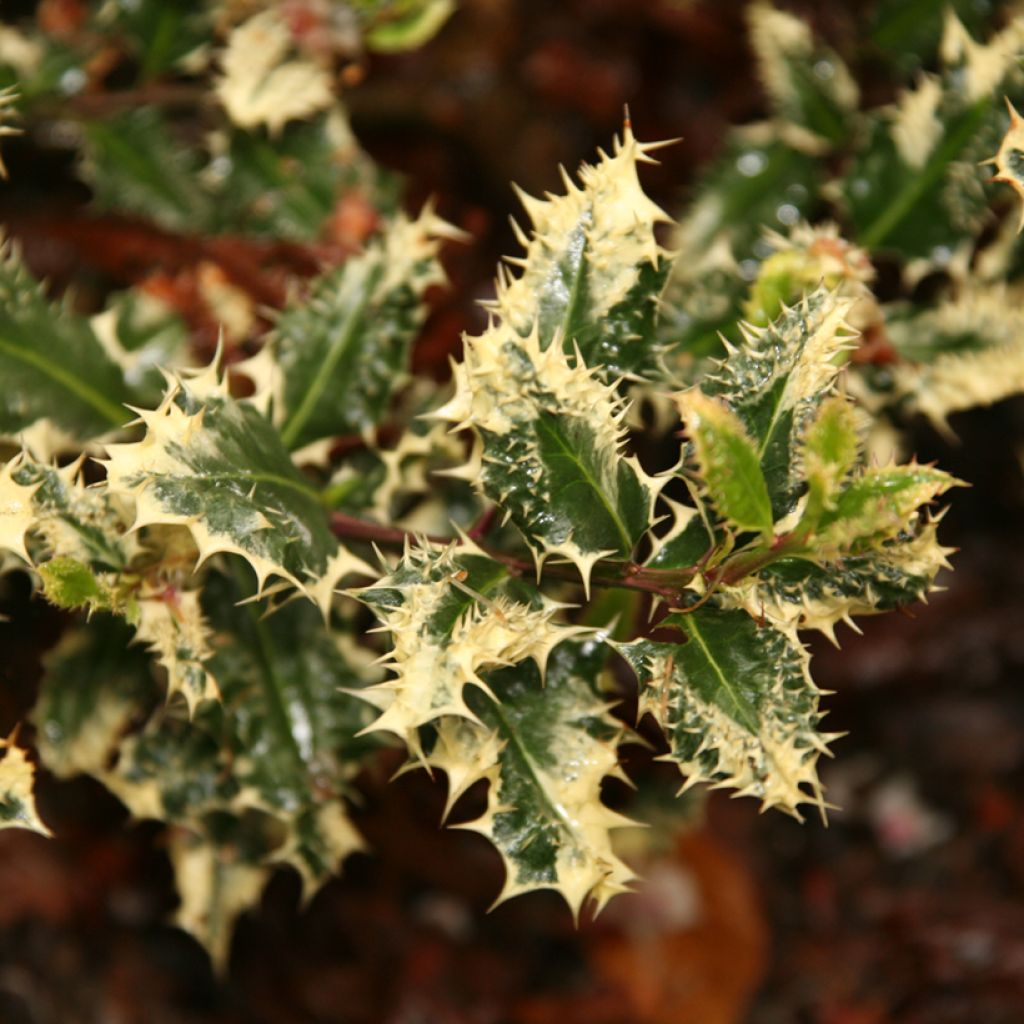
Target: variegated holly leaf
(797, 594)
(17, 793)
(95, 683)
(343, 350)
(1009, 161)
(85, 555)
(545, 746)
(135, 164)
(260, 776)
(548, 449)
(52, 364)
(966, 352)
(778, 377)
(452, 616)
(737, 705)
(593, 268)
(263, 83)
(217, 467)
(217, 880)
(916, 186)
(807, 83)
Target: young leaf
(545, 747)
(727, 462)
(593, 268)
(216, 466)
(737, 705)
(877, 505)
(343, 350)
(797, 594)
(69, 381)
(778, 377)
(829, 450)
(451, 619)
(548, 449)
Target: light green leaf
(829, 450)
(727, 462)
(406, 24)
(737, 705)
(52, 365)
(545, 747)
(343, 350)
(877, 505)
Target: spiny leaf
(808, 84)
(216, 885)
(17, 797)
(95, 682)
(1009, 161)
(593, 268)
(452, 616)
(216, 466)
(545, 748)
(964, 353)
(778, 377)
(829, 450)
(737, 705)
(727, 462)
(343, 350)
(548, 448)
(262, 84)
(797, 594)
(68, 380)
(877, 505)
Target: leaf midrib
(113, 413)
(620, 526)
(343, 341)
(742, 716)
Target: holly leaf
(342, 350)
(727, 462)
(737, 705)
(549, 435)
(217, 467)
(545, 747)
(593, 268)
(452, 616)
(69, 381)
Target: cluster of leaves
(217, 528)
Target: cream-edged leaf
(545, 746)
(737, 705)
(452, 617)
(342, 350)
(262, 83)
(217, 467)
(17, 792)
